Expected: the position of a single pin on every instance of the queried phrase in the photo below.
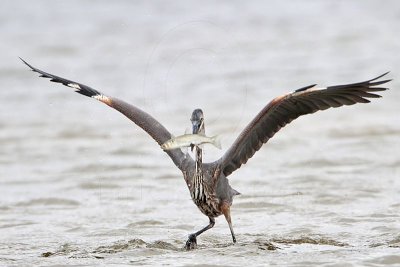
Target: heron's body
(207, 182)
(209, 189)
(202, 190)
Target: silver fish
(187, 140)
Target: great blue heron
(207, 182)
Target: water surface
(81, 185)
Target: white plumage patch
(102, 98)
(74, 85)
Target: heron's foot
(191, 243)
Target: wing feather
(144, 120)
(284, 109)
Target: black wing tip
(375, 82)
(386, 81)
(42, 73)
(79, 88)
(380, 76)
(26, 63)
(305, 88)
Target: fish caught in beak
(187, 140)
(196, 125)
(197, 120)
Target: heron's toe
(191, 243)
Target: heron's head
(197, 120)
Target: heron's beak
(196, 125)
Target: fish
(187, 140)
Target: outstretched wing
(139, 117)
(282, 110)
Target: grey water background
(81, 185)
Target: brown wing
(282, 110)
(139, 117)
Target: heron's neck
(199, 155)
(199, 160)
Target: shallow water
(80, 185)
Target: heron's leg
(191, 243)
(209, 226)
(226, 210)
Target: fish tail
(164, 146)
(216, 141)
(167, 145)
